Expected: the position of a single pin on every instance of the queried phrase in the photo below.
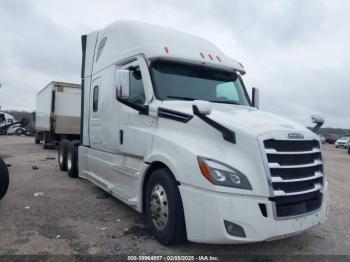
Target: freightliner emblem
(295, 136)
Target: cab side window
(137, 92)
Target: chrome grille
(295, 172)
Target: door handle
(121, 137)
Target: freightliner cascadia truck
(168, 128)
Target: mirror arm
(227, 134)
(316, 128)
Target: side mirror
(122, 84)
(256, 97)
(316, 119)
(319, 121)
(204, 107)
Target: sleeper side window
(95, 99)
(137, 92)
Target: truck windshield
(179, 81)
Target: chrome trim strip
(282, 193)
(275, 152)
(281, 180)
(316, 162)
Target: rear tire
(4, 178)
(37, 138)
(62, 155)
(72, 160)
(46, 140)
(164, 209)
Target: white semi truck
(169, 129)
(57, 115)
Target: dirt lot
(46, 212)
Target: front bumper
(205, 212)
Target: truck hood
(240, 118)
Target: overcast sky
(296, 51)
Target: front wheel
(164, 210)
(19, 132)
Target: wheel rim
(159, 207)
(69, 161)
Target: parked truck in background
(57, 115)
(5, 120)
(169, 129)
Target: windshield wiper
(225, 102)
(182, 98)
(212, 101)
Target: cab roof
(126, 39)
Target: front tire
(4, 179)
(164, 210)
(19, 132)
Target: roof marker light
(202, 55)
(211, 58)
(166, 50)
(218, 58)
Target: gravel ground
(74, 217)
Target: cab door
(136, 126)
(135, 130)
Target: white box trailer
(57, 116)
(169, 129)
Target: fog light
(234, 229)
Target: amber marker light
(205, 169)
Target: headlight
(223, 175)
